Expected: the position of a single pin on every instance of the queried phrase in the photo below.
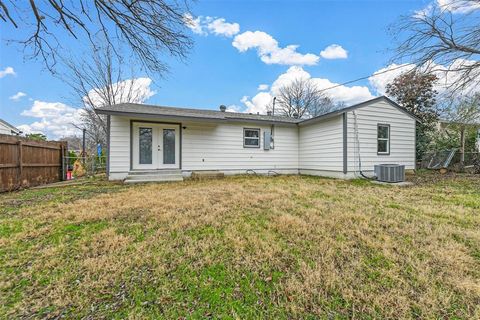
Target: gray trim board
(415, 146)
(345, 141)
(108, 145)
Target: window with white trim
(251, 138)
(383, 139)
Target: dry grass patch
(247, 247)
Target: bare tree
(443, 38)
(148, 27)
(101, 80)
(302, 99)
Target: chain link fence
(77, 166)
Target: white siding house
(338, 144)
(321, 147)
(7, 128)
(401, 142)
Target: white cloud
(131, 90)
(263, 87)
(458, 6)
(348, 95)
(258, 104)
(453, 6)
(55, 119)
(208, 25)
(386, 75)
(267, 47)
(195, 24)
(334, 51)
(234, 108)
(447, 76)
(220, 27)
(269, 51)
(17, 96)
(7, 71)
(292, 74)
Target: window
(383, 139)
(145, 145)
(251, 138)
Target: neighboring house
(7, 128)
(150, 138)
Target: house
(7, 128)
(144, 139)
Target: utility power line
(363, 78)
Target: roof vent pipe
(223, 108)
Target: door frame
(180, 129)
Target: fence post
(20, 162)
(62, 159)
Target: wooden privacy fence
(27, 163)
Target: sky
(244, 51)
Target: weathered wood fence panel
(26, 163)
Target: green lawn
(243, 247)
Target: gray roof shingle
(129, 108)
(149, 110)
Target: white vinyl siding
(4, 129)
(219, 146)
(402, 136)
(321, 145)
(212, 146)
(311, 149)
(119, 144)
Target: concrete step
(154, 172)
(148, 179)
(145, 176)
(155, 175)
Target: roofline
(240, 119)
(356, 106)
(152, 115)
(13, 128)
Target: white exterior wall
(219, 146)
(213, 146)
(321, 148)
(5, 129)
(315, 149)
(402, 136)
(119, 147)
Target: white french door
(155, 146)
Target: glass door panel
(145, 143)
(169, 146)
